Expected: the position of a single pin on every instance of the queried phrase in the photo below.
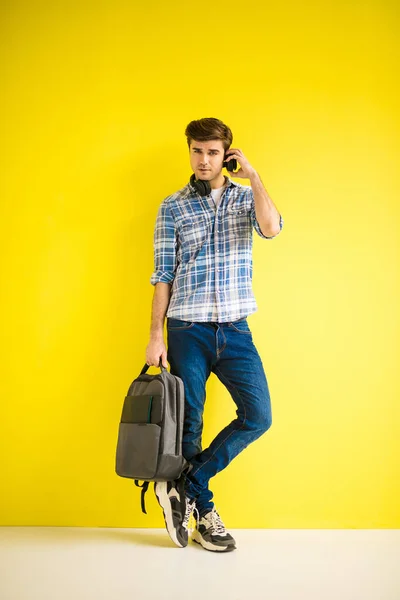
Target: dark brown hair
(204, 130)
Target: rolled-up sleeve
(256, 224)
(164, 247)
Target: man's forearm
(161, 298)
(266, 212)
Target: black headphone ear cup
(231, 165)
(203, 187)
(200, 185)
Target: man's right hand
(155, 350)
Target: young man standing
(202, 279)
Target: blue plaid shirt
(205, 252)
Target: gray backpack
(149, 446)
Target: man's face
(206, 158)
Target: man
(202, 279)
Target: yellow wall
(97, 98)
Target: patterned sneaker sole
(164, 502)
(197, 537)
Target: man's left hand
(246, 170)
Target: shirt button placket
(216, 241)
(218, 278)
(219, 268)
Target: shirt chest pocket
(239, 220)
(193, 232)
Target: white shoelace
(215, 521)
(190, 509)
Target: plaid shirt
(205, 252)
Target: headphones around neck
(202, 186)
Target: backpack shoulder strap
(144, 486)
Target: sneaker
(212, 535)
(177, 509)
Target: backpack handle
(146, 366)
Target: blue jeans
(226, 349)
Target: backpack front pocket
(137, 450)
(146, 408)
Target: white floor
(57, 563)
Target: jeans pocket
(241, 326)
(178, 324)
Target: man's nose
(204, 159)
